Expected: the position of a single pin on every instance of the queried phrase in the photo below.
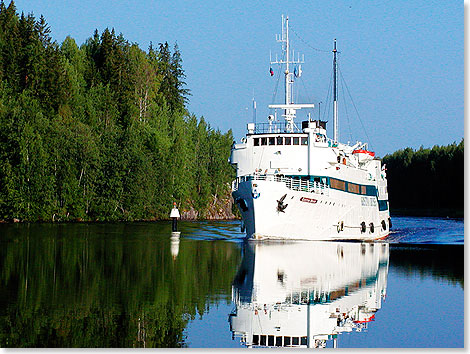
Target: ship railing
(291, 183)
(273, 128)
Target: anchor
(280, 204)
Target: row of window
(340, 185)
(271, 341)
(280, 140)
(337, 184)
(352, 187)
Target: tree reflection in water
(107, 285)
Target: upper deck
(283, 128)
(270, 148)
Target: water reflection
(175, 244)
(304, 294)
(107, 285)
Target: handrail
(291, 183)
(273, 128)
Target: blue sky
(403, 61)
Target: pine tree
(100, 131)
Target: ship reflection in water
(304, 294)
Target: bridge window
(303, 341)
(262, 340)
(295, 140)
(295, 340)
(304, 141)
(279, 140)
(286, 341)
(264, 141)
(287, 140)
(270, 341)
(255, 339)
(272, 141)
(278, 341)
(256, 141)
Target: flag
(295, 72)
(271, 71)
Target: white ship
(305, 294)
(294, 182)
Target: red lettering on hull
(308, 200)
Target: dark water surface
(133, 285)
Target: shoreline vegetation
(100, 132)
(426, 182)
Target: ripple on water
(213, 230)
(422, 230)
(427, 230)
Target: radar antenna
(288, 106)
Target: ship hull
(270, 210)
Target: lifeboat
(364, 155)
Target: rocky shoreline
(218, 209)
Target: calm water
(133, 285)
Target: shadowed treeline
(113, 285)
(439, 261)
(99, 131)
(427, 181)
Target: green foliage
(100, 131)
(113, 285)
(427, 178)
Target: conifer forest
(99, 131)
(427, 181)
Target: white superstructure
(303, 294)
(294, 182)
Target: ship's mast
(289, 107)
(335, 96)
(288, 83)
